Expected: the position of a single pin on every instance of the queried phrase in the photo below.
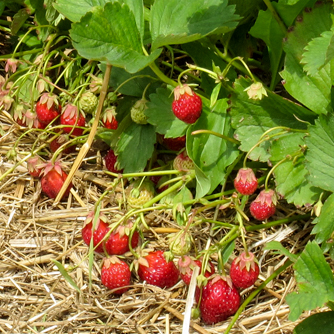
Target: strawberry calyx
(246, 261)
(182, 89)
(245, 182)
(90, 218)
(50, 165)
(50, 100)
(70, 111)
(107, 262)
(34, 165)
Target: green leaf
(311, 325)
(325, 222)
(267, 28)
(18, 20)
(251, 118)
(291, 175)
(318, 53)
(212, 154)
(65, 274)
(111, 34)
(320, 153)
(178, 22)
(159, 113)
(135, 147)
(315, 282)
(313, 91)
(275, 245)
(74, 12)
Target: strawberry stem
(210, 132)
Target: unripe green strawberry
(138, 112)
(182, 162)
(180, 243)
(88, 102)
(138, 193)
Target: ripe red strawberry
(118, 241)
(111, 162)
(100, 230)
(75, 119)
(264, 205)
(35, 166)
(220, 299)
(186, 266)
(182, 162)
(47, 108)
(187, 105)
(115, 274)
(27, 118)
(59, 141)
(245, 181)
(174, 144)
(53, 179)
(109, 118)
(244, 270)
(155, 270)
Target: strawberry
(182, 162)
(115, 274)
(174, 144)
(138, 193)
(264, 205)
(109, 118)
(138, 112)
(34, 165)
(25, 117)
(111, 162)
(155, 270)
(186, 266)
(47, 108)
(100, 230)
(59, 141)
(53, 179)
(244, 270)
(187, 105)
(220, 299)
(88, 102)
(75, 119)
(245, 182)
(118, 241)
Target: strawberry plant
(225, 106)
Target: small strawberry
(47, 108)
(25, 117)
(109, 118)
(59, 141)
(182, 162)
(220, 299)
(53, 179)
(264, 205)
(74, 119)
(138, 193)
(101, 228)
(88, 102)
(118, 241)
(244, 270)
(187, 105)
(34, 165)
(180, 243)
(245, 182)
(187, 265)
(174, 144)
(156, 270)
(115, 274)
(111, 162)
(138, 112)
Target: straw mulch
(35, 297)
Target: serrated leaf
(320, 153)
(135, 147)
(311, 325)
(159, 113)
(325, 222)
(66, 276)
(313, 91)
(251, 118)
(315, 282)
(291, 175)
(211, 154)
(178, 22)
(111, 34)
(267, 28)
(275, 245)
(318, 53)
